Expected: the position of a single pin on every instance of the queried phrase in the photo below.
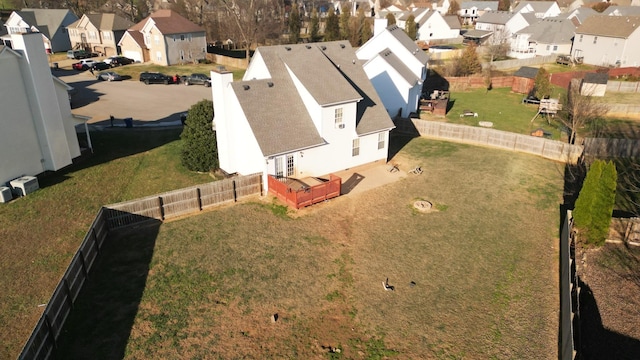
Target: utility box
(24, 185)
(5, 194)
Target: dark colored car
(200, 79)
(120, 60)
(100, 66)
(155, 78)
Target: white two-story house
(397, 68)
(302, 110)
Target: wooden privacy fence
(183, 201)
(549, 149)
(307, 195)
(44, 337)
(569, 293)
(611, 148)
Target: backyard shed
(594, 84)
(524, 80)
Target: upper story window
(580, 39)
(595, 39)
(182, 37)
(93, 35)
(106, 35)
(381, 138)
(338, 118)
(189, 37)
(156, 39)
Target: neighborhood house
(303, 110)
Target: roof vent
(246, 87)
(323, 47)
(270, 84)
(353, 61)
(288, 48)
(308, 46)
(342, 46)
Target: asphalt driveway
(146, 104)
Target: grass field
(476, 279)
(41, 232)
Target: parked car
(100, 66)
(201, 79)
(108, 76)
(84, 64)
(114, 61)
(77, 54)
(155, 78)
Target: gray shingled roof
(46, 20)
(596, 78)
(105, 21)
(406, 41)
(610, 26)
(527, 72)
(538, 6)
(551, 31)
(495, 17)
(481, 5)
(402, 69)
(622, 10)
(329, 71)
(371, 115)
(278, 118)
(453, 21)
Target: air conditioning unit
(5, 194)
(341, 126)
(24, 185)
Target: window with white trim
(381, 139)
(106, 35)
(182, 37)
(338, 118)
(156, 39)
(189, 37)
(158, 55)
(355, 147)
(291, 169)
(595, 39)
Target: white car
(109, 60)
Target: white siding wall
(393, 89)
(598, 50)
(257, 68)
(436, 28)
(19, 147)
(385, 40)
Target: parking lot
(146, 104)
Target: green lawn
(501, 107)
(41, 232)
(476, 279)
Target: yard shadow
(114, 143)
(83, 95)
(100, 323)
(398, 140)
(597, 342)
(573, 177)
(351, 183)
(434, 81)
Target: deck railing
(307, 195)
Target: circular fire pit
(423, 205)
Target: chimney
(221, 91)
(379, 24)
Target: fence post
(161, 206)
(95, 239)
(199, 198)
(83, 264)
(66, 286)
(52, 336)
(235, 194)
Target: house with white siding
(546, 37)
(397, 69)
(470, 11)
(287, 121)
(604, 40)
(541, 9)
(38, 130)
(50, 23)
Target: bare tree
(498, 45)
(252, 21)
(580, 110)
